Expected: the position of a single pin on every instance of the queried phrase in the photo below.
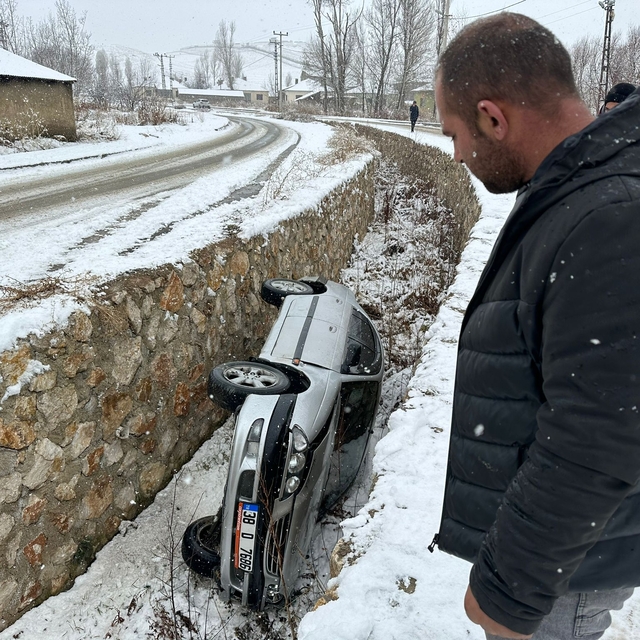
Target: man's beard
(498, 168)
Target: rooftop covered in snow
(16, 66)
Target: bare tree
(101, 88)
(382, 20)
(230, 59)
(341, 46)
(62, 42)
(585, 60)
(202, 72)
(316, 54)
(359, 65)
(624, 63)
(115, 72)
(625, 57)
(11, 27)
(417, 25)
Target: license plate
(246, 523)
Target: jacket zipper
(434, 542)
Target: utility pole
(280, 83)
(445, 27)
(608, 6)
(166, 55)
(443, 37)
(274, 42)
(161, 56)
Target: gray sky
(167, 25)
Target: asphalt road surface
(131, 176)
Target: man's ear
(492, 120)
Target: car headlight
(256, 430)
(293, 482)
(253, 439)
(297, 459)
(297, 462)
(300, 442)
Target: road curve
(136, 174)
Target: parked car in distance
(304, 411)
(202, 104)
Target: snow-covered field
(395, 590)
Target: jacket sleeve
(586, 457)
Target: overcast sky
(167, 25)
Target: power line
(480, 15)
(571, 16)
(553, 13)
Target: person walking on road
(414, 112)
(543, 483)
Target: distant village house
(34, 100)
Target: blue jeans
(580, 615)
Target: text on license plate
(246, 522)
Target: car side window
(362, 353)
(357, 407)
(355, 419)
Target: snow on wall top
(19, 67)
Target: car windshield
(362, 352)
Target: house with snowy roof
(34, 100)
(302, 90)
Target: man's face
(490, 160)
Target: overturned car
(304, 410)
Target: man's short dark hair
(505, 57)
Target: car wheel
(275, 290)
(200, 545)
(230, 383)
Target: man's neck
(537, 134)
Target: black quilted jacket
(545, 442)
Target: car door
(359, 397)
(358, 402)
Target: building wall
(36, 107)
(253, 96)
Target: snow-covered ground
(395, 589)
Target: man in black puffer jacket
(542, 492)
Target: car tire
(200, 545)
(275, 290)
(232, 382)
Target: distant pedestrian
(617, 94)
(414, 112)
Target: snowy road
(124, 177)
(68, 215)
